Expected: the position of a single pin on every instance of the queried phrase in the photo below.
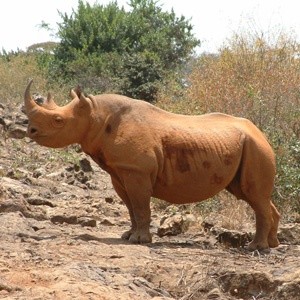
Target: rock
(20, 205)
(87, 222)
(3, 123)
(40, 201)
(149, 287)
(232, 238)
(172, 225)
(245, 285)
(83, 221)
(289, 233)
(14, 206)
(8, 287)
(16, 132)
(39, 99)
(15, 188)
(107, 222)
(214, 294)
(289, 290)
(207, 225)
(64, 219)
(13, 224)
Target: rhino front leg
(138, 190)
(142, 232)
(139, 210)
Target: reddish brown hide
(151, 152)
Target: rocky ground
(60, 227)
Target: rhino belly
(193, 188)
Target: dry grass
(248, 77)
(235, 214)
(256, 76)
(15, 72)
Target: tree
(108, 48)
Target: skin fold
(149, 152)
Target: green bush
(287, 186)
(106, 48)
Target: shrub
(127, 52)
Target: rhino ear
(84, 101)
(73, 94)
(76, 92)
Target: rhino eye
(58, 121)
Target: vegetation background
(148, 54)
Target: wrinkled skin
(150, 152)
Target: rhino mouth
(39, 137)
(33, 133)
(36, 137)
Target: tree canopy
(107, 48)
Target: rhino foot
(273, 242)
(137, 236)
(126, 235)
(257, 246)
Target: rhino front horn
(29, 103)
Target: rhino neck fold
(94, 138)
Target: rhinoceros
(149, 152)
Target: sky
(214, 21)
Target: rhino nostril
(33, 131)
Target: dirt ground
(60, 228)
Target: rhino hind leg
(267, 220)
(272, 238)
(267, 216)
(264, 225)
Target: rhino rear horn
(50, 101)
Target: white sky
(214, 20)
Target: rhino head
(56, 126)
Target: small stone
(109, 200)
(85, 165)
(87, 222)
(39, 201)
(214, 294)
(64, 219)
(107, 222)
(232, 238)
(16, 132)
(289, 233)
